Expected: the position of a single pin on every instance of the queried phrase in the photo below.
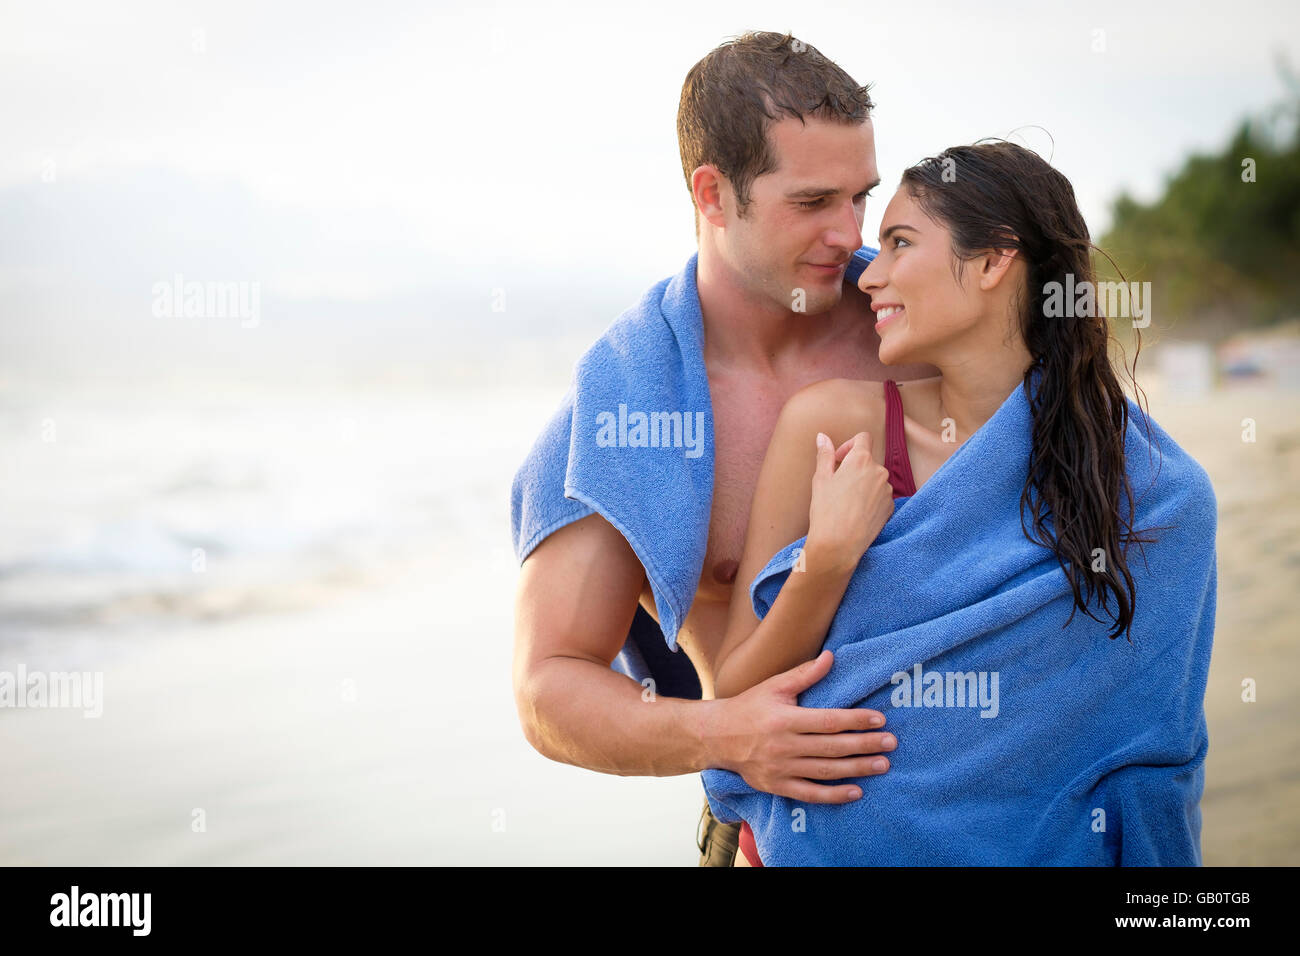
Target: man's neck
(742, 327)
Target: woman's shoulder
(832, 392)
(841, 407)
(856, 396)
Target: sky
(400, 164)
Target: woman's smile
(886, 312)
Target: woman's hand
(850, 503)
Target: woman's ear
(994, 265)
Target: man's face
(804, 220)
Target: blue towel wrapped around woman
(1023, 740)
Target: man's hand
(781, 748)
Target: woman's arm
(801, 491)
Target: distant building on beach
(1192, 368)
(1269, 355)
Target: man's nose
(847, 232)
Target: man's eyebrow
(892, 229)
(817, 192)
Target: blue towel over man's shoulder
(632, 440)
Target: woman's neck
(974, 386)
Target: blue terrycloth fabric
(1086, 751)
(654, 484)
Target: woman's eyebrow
(892, 229)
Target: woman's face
(920, 306)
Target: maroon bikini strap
(896, 460)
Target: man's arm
(578, 593)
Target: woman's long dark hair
(997, 195)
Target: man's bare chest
(743, 426)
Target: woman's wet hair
(1000, 196)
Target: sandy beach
(378, 730)
(1251, 804)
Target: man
(778, 153)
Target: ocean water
(128, 506)
(299, 600)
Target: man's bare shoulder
(590, 538)
(577, 593)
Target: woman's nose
(872, 277)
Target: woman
(973, 245)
